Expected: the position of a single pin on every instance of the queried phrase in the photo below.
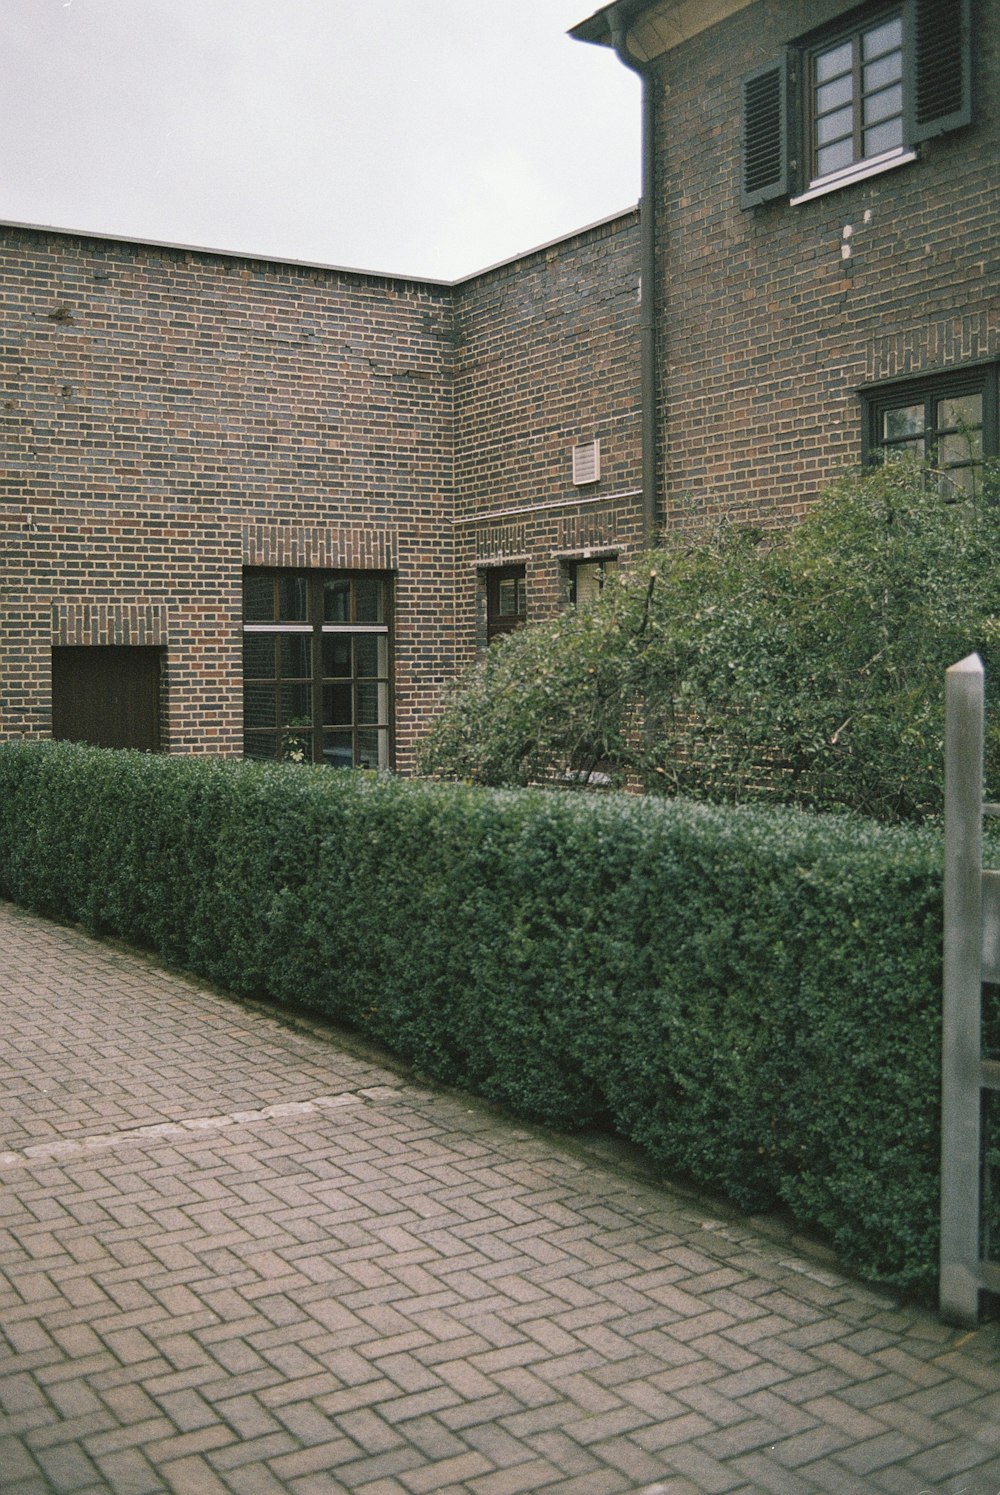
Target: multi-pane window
(949, 421)
(316, 667)
(857, 97)
(839, 105)
(506, 607)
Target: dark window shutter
(939, 92)
(764, 161)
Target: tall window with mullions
(948, 419)
(317, 667)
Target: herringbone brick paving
(238, 1259)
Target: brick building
(824, 241)
(273, 508)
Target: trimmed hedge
(751, 994)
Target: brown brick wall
(766, 332)
(169, 417)
(547, 358)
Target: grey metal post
(963, 955)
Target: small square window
(587, 578)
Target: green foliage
(753, 994)
(542, 699)
(804, 667)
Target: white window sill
(859, 172)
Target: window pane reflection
(882, 38)
(258, 599)
(371, 654)
(372, 750)
(368, 600)
(832, 63)
(296, 655)
(369, 703)
(834, 157)
(884, 137)
(835, 126)
(962, 411)
(259, 706)
(258, 745)
(296, 704)
(960, 447)
(337, 705)
(907, 420)
(886, 104)
(338, 749)
(293, 604)
(336, 654)
(258, 656)
(832, 95)
(337, 601)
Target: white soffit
(669, 22)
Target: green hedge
(751, 994)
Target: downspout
(647, 281)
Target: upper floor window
(316, 667)
(856, 103)
(843, 104)
(949, 420)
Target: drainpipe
(647, 261)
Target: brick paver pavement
(236, 1258)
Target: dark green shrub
(752, 994)
(803, 667)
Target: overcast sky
(421, 137)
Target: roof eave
(654, 27)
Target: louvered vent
(763, 131)
(940, 62)
(586, 463)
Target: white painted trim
(858, 172)
(308, 628)
(554, 503)
(277, 628)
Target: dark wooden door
(108, 696)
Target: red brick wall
(170, 417)
(766, 332)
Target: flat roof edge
(271, 259)
(220, 254)
(524, 254)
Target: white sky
(422, 137)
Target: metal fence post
(963, 954)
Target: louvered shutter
(938, 67)
(764, 163)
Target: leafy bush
(804, 667)
(752, 994)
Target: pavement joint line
(71, 1147)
